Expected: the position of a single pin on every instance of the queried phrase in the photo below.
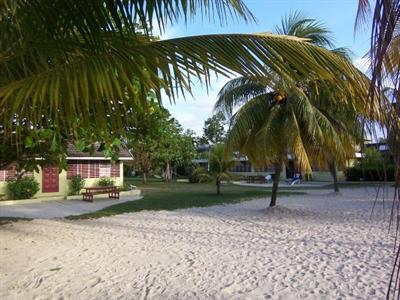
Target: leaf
(28, 142)
(54, 144)
(80, 145)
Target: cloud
(192, 112)
(170, 33)
(362, 63)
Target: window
(3, 174)
(104, 170)
(92, 169)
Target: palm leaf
(77, 85)
(297, 24)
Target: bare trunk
(144, 178)
(278, 168)
(167, 175)
(333, 171)
(218, 183)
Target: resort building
(90, 167)
(244, 167)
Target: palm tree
(97, 60)
(219, 165)
(277, 115)
(297, 24)
(384, 57)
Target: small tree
(220, 165)
(214, 131)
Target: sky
(336, 15)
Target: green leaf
(28, 142)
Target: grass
(55, 269)
(7, 220)
(171, 196)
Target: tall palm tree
(72, 64)
(275, 118)
(384, 56)
(298, 24)
(277, 115)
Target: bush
(105, 182)
(23, 188)
(125, 187)
(358, 173)
(76, 184)
(199, 175)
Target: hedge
(358, 173)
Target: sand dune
(317, 246)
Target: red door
(50, 179)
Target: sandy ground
(317, 246)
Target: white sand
(317, 246)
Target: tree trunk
(218, 183)
(333, 170)
(167, 175)
(144, 178)
(277, 175)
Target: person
(268, 178)
(296, 179)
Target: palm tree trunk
(333, 171)
(218, 183)
(277, 175)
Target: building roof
(74, 153)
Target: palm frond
(124, 16)
(237, 92)
(363, 14)
(297, 24)
(121, 75)
(344, 52)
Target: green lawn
(7, 220)
(170, 196)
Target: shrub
(125, 187)
(358, 173)
(23, 188)
(76, 184)
(105, 182)
(199, 175)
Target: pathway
(61, 208)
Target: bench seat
(112, 192)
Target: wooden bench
(112, 192)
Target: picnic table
(112, 192)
